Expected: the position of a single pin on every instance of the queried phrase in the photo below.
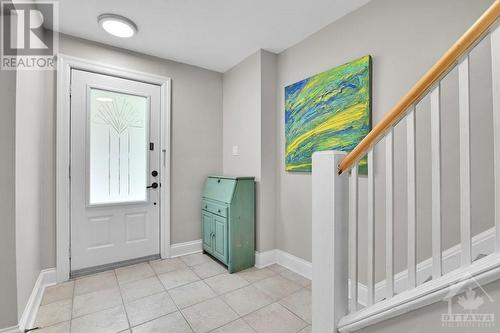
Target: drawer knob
(218, 211)
(218, 180)
(206, 206)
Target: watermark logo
(470, 315)
(28, 40)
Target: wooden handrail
(420, 88)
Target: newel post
(330, 206)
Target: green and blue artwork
(328, 111)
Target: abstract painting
(328, 111)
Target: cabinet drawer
(214, 208)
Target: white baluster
(436, 181)
(370, 231)
(411, 185)
(389, 215)
(353, 236)
(495, 71)
(464, 125)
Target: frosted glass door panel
(118, 147)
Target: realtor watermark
(28, 40)
(469, 314)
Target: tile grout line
(72, 305)
(146, 278)
(95, 291)
(212, 298)
(123, 302)
(237, 314)
(274, 301)
(248, 285)
(51, 303)
(298, 317)
(95, 311)
(283, 305)
(259, 308)
(168, 293)
(177, 307)
(164, 290)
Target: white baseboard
(182, 249)
(295, 264)
(12, 329)
(266, 258)
(481, 243)
(262, 259)
(47, 277)
(285, 259)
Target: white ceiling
(214, 34)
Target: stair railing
(336, 286)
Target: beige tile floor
(189, 294)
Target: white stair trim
(481, 272)
(481, 243)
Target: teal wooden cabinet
(228, 220)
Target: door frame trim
(65, 64)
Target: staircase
(340, 302)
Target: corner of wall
(249, 123)
(30, 151)
(8, 278)
(268, 144)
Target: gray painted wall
(241, 118)
(249, 123)
(267, 204)
(34, 109)
(8, 299)
(26, 110)
(405, 38)
(196, 135)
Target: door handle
(153, 186)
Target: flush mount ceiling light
(117, 25)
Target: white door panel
(115, 146)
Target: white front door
(115, 165)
